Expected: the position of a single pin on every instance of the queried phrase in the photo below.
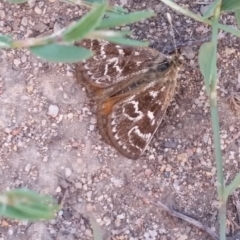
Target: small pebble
(170, 144)
(153, 233)
(10, 231)
(117, 222)
(16, 62)
(70, 116)
(45, 159)
(53, 111)
(78, 185)
(92, 127)
(93, 120)
(28, 167)
(31, 3)
(7, 130)
(23, 58)
(30, 88)
(107, 220)
(44, 122)
(38, 10)
(24, 21)
(88, 232)
(4, 223)
(68, 172)
(89, 194)
(2, 14)
(182, 157)
(148, 172)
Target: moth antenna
(172, 32)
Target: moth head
(177, 61)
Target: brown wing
(112, 64)
(129, 121)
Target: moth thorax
(164, 65)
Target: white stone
(24, 21)
(53, 110)
(28, 167)
(38, 10)
(68, 172)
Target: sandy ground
(49, 141)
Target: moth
(132, 87)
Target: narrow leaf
(95, 1)
(11, 212)
(119, 20)
(232, 187)
(111, 15)
(16, 1)
(97, 234)
(86, 24)
(120, 9)
(126, 41)
(25, 214)
(33, 212)
(205, 59)
(61, 53)
(230, 5)
(5, 41)
(237, 16)
(210, 9)
(107, 33)
(26, 204)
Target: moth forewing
(134, 87)
(134, 120)
(111, 65)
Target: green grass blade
(16, 1)
(25, 204)
(95, 1)
(119, 9)
(86, 24)
(205, 59)
(237, 16)
(230, 5)
(197, 17)
(61, 53)
(97, 234)
(210, 9)
(183, 11)
(102, 34)
(26, 213)
(5, 41)
(119, 20)
(126, 41)
(228, 29)
(11, 212)
(26, 195)
(37, 211)
(232, 187)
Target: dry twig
(174, 213)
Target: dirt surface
(49, 141)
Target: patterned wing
(112, 64)
(129, 121)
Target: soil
(49, 141)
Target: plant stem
(190, 14)
(215, 125)
(220, 181)
(217, 146)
